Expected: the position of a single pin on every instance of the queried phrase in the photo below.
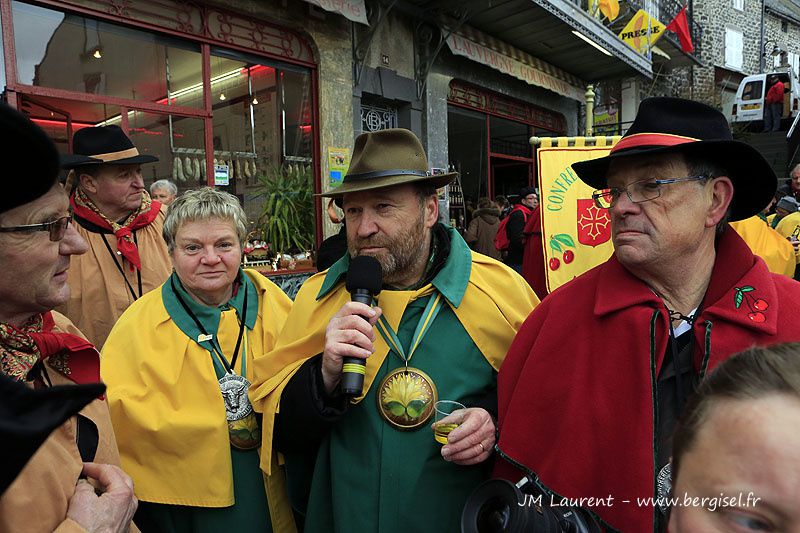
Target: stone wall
(788, 41)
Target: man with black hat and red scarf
(593, 383)
(122, 224)
(41, 348)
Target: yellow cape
(495, 303)
(768, 244)
(166, 406)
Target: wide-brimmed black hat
(385, 158)
(673, 125)
(103, 145)
(28, 416)
(27, 153)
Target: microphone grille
(364, 273)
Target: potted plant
(287, 216)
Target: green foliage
(287, 218)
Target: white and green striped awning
(487, 50)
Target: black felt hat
(28, 416)
(103, 144)
(673, 125)
(30, 159)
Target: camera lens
(493, 516)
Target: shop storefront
(221, 99)
(488, 142)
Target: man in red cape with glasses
(599, 372)
(40, 349)
(114, 213)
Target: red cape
(533, 255)
(576, 389)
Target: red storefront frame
(468, 96)
(227, 23)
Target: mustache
(368, 242)
(617, 228)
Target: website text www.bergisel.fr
(712, 503)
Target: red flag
(680, 26)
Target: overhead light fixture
(97, 54)
(255, 100)
(222, 96)
(585, 38)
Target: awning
(351, 9)
(487, 50)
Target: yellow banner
(642, 32)
(576, 234)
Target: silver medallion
(234, 393)
(664, 484)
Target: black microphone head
(364, 273)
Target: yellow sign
(338, 163)
(642, 32)
(576, 234)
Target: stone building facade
(726, 24)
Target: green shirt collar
(451, 280)
(209, 317)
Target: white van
(749, 103)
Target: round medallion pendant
(234, 393)
(243, 427)
(406, 398)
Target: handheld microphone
(364, 281)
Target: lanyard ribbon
(220, 362)
(424, 324)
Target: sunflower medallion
(406, 397)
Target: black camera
(500, 506)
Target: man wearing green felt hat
(438, 329)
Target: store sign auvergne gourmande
(520, 65)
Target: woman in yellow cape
(178, 366)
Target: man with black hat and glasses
(40, 348)
(599, 373)
(122, 224)
(449, 316)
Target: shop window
(259, 125)
(73, 53)
(165, 135)
(509, 137)
(466, 141)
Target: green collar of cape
(451, 280)
(209, 317)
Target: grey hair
(698, 164)
(167, 185)
(204, 204)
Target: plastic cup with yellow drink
(444, 423)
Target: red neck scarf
(147, 212)
(70, 355)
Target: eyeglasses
(57, 228)
(638, 191)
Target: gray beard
(403, 252)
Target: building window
(794, 63)
(784, 26)
(734, 46)
(257, 121)
(738, 4)
(376, 117)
